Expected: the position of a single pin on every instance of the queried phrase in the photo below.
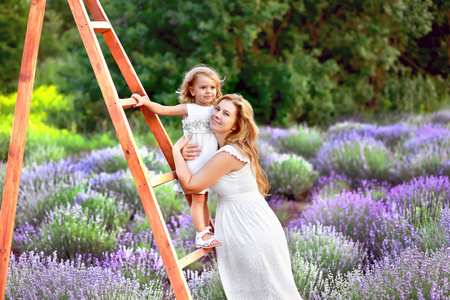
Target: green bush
(120, 185)
(80, 229)
(2, 179)
(410, 275)
(206, 285)
(413, 93)
(49, 135)
(357, 158)
(343, 127)
(331, 251)
(60, 196)
(291, 175)
(307, 275)
(432, 236)
(302, 141)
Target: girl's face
(204, 90)
(223, 117)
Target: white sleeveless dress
(254, 261)
(197, 124)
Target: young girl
(198, 93)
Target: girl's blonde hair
(245, 137)
(189, 80)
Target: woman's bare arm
(220, 164)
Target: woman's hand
(181, 143)
(190, 151)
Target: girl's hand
(181, 143)
(190, 151)
(140, 100)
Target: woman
(254, 260)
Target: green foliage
(13, 22)
(304, 61)
(406, 92)
(47, 142)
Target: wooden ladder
(88, 29)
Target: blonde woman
(254, 261)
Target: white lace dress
(197, 124)
(254, 261)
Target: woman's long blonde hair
(245, 137)
(189, 80)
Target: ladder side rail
(132, 80)
(118, 117)
(135, 86)
(18, 136)
(96, 10)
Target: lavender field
(365, 208)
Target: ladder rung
(161, 179)
(194, 256)
(101, 26)
(127, 102)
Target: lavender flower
(35, 276)
(421, 199)
(411, 275)
(358, 216)
(281, 206)
(333, 183)
(272, 135)
(359, 158)
(427, 152)
(71, 230)
(141, 264)
(205, 285)
(328, 249)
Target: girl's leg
(197, 212)
(206, 213)
(198, 217)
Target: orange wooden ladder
(116, 106)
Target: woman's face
(223, 117)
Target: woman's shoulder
(234, 151)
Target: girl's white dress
(254, 261)
(197, 124)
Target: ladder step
(190, 258)
(127, 102)
(101, 26)
(161, 179)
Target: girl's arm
(220, 164)
(177, 110)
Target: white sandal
(200, 243)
